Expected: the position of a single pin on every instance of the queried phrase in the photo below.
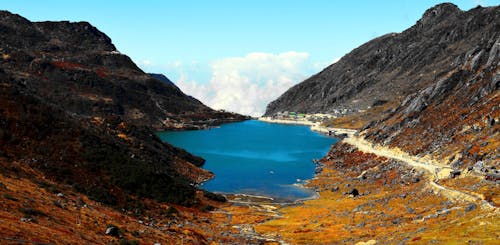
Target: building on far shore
(296, 116)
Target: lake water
(256, 158)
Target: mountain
(431, 90)
(425, 104)
(165, 79)
(83, 114)
(78, 143)
(456, 119)
(390, 67)
(77, 66)
(438, 78)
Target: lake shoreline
(314, 126)
(272, 160)
(244, 198)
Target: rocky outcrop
(393, 66)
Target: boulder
(455, 173)
(361, 225)
(470, 207)
(112, 231)
(493, 177)
(354, 192)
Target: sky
(236, 55)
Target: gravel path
(435, 169)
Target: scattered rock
(335, 189)
(479, 165)
(360, 225)
(23, 219)
(112, 231)
(410, 210)
(354, 192)
(470, 207)
(455, 173)
(493, 177)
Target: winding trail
(431, 166)
(435, 170)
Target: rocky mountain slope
(390, 67)
(433, 89)
(424, 165)
(77, 67)
(456, 119)
(84, 115)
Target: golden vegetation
(393, 206)
(36, 210)
(476, 186)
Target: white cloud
(247, 84)
(145, 63)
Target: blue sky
(199, 44)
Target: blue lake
(256, 158)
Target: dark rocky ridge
(162, 78)
(395, 65)
(74, 108)
(165, 79)
(77, 66)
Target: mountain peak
(391, 66)
(439, 12)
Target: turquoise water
(256, 158)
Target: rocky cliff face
(391, 67)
